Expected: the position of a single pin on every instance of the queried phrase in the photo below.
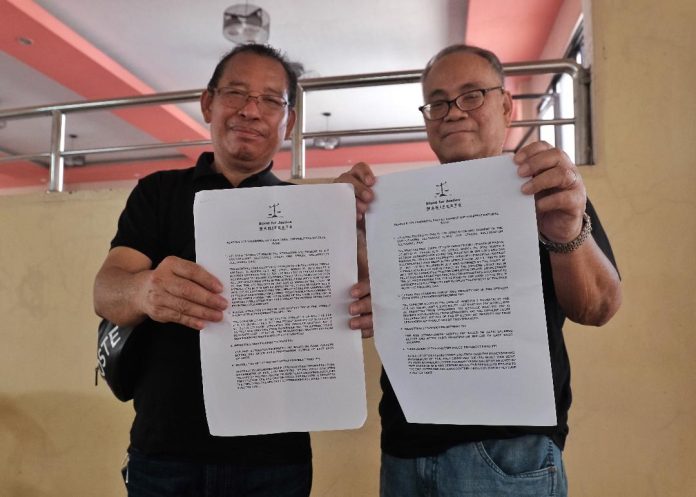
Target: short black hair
(292, 69)
(489, 56)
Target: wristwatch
(564, 248)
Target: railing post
(557, 133)
(298, 140)
(57, 149)
(583, 126)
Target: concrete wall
(633, 429)
(632, 422)
(59, 434)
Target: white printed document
(456, 295)
(283, 359)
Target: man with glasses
(150, 280)
(467, 111)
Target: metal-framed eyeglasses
(236, 99)
(469, 100)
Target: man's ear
(507, 107)
(206, 103)
(292, 117)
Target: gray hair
(489, 56)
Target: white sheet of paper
(284, 358)
(457, 299)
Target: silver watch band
(564, 248)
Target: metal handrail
(579, 75)
(57, 152)
(58, 113)
(171, 97)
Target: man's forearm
(116, 296)
(587, 285)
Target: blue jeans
(528, 466)
(154, 477)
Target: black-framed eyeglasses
(469, 100)
(236, 99)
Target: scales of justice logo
(443, 199)
(274, 220)
(441, 190)
(274, 210)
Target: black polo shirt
(403, 439)
(170, 416)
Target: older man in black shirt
(150, 280)
(467, 111)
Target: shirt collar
(204, 168)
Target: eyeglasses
(469, 100)
(236, 99)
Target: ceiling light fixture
(327, 142)
(245, 23)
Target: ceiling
(54, 51)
